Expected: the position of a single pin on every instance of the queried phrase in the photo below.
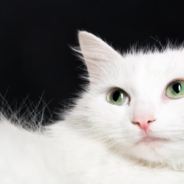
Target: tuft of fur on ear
(95, 50)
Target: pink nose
(143, 122)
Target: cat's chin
(154, 151)
(152, 145)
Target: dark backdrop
(35, 58)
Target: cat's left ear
(95, 50)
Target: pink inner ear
(143, 121)
(95, 50)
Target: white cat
(127, 128)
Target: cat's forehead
(168, 64)
(146, 70)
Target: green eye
(175, 90)
(117, 96)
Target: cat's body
(138, 141)
(70, 159)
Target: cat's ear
(95, 50)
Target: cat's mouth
(150, 139)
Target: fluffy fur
(97, 143)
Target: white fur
(97, 143)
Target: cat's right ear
(95, 50)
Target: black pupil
(177, 87)
(116, 95)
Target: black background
(35, 58)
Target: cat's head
(135, 102)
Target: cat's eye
(175, 90)
(117, 96)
